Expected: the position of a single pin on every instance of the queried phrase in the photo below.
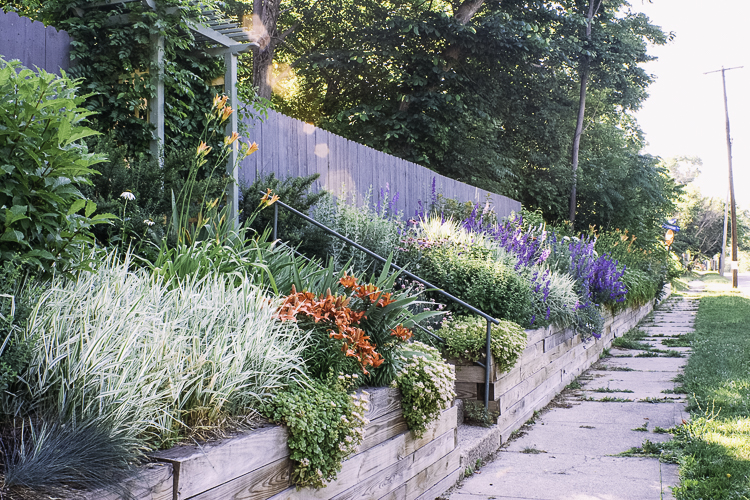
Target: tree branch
(466, 10)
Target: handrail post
(275, 221)
(487, 366)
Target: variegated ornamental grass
(153, 356)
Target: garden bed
(256, 465)
(552, 359)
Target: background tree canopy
(483, 91)
(489, 97)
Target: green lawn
(714, 448)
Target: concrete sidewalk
(570, 450)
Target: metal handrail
(489, 319)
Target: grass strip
(714, 447)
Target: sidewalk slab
(568, 453)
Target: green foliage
(114, 61)
(648, 264)
(466, 338)
(152, 357)
(18, 294)
(375, 228)
(426, 383)
(701, 221)
(475, 413)
(45, 218)
(325, 424)
(491, 100)
(295, 192)
(491, 286)
(450, 208)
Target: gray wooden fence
(289, 147)
(33, 43)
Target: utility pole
(723, 257)
(731, 181)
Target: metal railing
(489, 319)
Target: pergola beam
(210, 34)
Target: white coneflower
(127, 195)
(149, 222)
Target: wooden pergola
(225, 38)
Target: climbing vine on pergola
(132, 97)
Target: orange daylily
(333, 310)
(225, 113)
(401, 332)
(250, 149)
(269, 200)
(219, 102)
(348, 281)
(231, 139)
(203, 149)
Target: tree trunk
(466, 10)
(265, 33)
(577, 138)
(585, 68)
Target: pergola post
(156, 107)
(230, 88)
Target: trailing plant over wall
(466, 338)
(325, 424)
(426, 383)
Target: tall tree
(585, 66)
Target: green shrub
(43, 164)
(449, 208)
(295, 192)
(325, 424)
(491, 286)
(426, 383)
(378, 231)
(18, 293)
(466, 337)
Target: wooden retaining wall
(390, 464)
(552, 359)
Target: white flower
(127, 195)
(148, 222)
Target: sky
(684, 114)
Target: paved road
(743, 282)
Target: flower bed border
(256, 465)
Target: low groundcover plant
(466, 337)
(426, 383)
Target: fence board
(291, 147)
(32, 43)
